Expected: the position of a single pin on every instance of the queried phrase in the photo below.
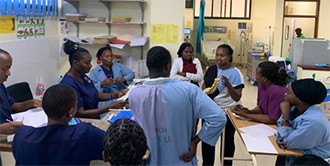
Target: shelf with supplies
(109, 21)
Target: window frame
(231, 8)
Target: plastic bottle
(60, 79)
(40, 87)
(289, 68)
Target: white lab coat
(177, 66)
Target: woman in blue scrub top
(87, 95)
(110, 77)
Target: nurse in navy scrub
(87, 95)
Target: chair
(20, 92)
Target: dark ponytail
(74, 51)
(273, 72)
(101, 50)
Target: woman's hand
(119, 79)
(240, 108)
(225, 81)
(37, 103)
(182, 74)
(122, 93)
(10, 128)
(109, 81)
(285, 145)
(285, 107)
(193, 148)
(117, 104)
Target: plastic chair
(20, 92)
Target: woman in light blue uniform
(303, 125)
(110, 77)
(87, 95)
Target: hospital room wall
(259, 21)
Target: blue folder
(123, 114)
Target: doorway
(302, 14)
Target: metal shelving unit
(107, 4)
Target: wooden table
(103, 124)
(239, 123)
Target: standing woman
(186, 67)
(110, 77)
(228, 94)
(87, 95)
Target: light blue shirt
(97, 75)
(309, 132)
(167, 110)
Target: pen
(9, 121)
(110, 98)
(278, 140)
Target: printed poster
(157, 33)
(30, 27)
(65, 28)
(7, 24)
(171, 33)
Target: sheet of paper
(142, 69)
(120, 46)
(246, 119)
(262, 145)
(34, 117)
(171, 33)
(125, 97)
(7, 24)
(65, 28)
(258, 131)
(157, 33)
(130, 62)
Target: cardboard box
(74, 17)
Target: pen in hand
(9, 121)
(278, 140)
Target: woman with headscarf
(303, 125)
(186, 67)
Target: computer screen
(187, 31)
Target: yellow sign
(7, 24)
(171, 33)
(157, 33)
(189, 24)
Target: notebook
(123, 114)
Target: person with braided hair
(167, 110)
(88, 96)
(124, 143)
(58, 143)
(271, 81)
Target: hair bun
(70, 47)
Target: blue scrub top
(87, 94)
(6, 102)
(58, 145)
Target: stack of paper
(34, 117)
(139, 41)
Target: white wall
(324, 21)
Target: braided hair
(125, 143)
(74, 51)
(101, 50)
(273, 72)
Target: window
(29, 7)
(225, 9)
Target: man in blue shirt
(167, 110)
(7, 103)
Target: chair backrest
(20, 92)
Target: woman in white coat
(186, 67)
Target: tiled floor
(249, 100)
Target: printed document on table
(262, 145)
(35, 117)
(258, 131)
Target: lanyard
(219, 72)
